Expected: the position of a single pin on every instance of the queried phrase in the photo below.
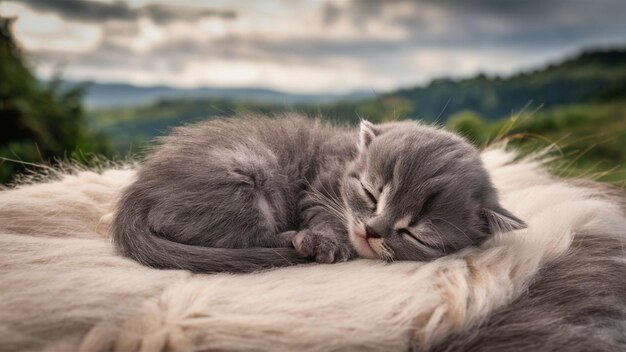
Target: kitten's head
(417, 193)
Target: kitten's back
(215, 195)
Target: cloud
(305, 45)
(94, 11)
(85, 10)
(493, 22)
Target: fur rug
(558, 285)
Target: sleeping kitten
(243, 194)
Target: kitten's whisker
(456, 227)
(440, 235)
(390, 252)
(329, 201)
(383, 250)
(332, 194)
(329, 205)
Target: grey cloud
(468, 31)
(84, 10)
(163, 14)
(531, 23)
(533, 26)
(93, 11)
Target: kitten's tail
(139, 243)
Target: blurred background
(95, 80)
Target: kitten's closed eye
(426, 207)
(412, 236)
(369, 195)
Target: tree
(41, 123)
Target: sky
(306, 46)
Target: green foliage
(591, 138)
(597, 75)
(39, 122)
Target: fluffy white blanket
(62, 287)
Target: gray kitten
(243, 194)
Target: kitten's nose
(370, 232)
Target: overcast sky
(306, 45)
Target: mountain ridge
(599, 69)
(117, 94)
(589, 75)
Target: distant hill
(111, 95)
(592, 75)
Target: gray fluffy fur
(237, 195)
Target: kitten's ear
(366, 135)
(500, 220)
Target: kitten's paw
(324, 248)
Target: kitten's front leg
(323, 236)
